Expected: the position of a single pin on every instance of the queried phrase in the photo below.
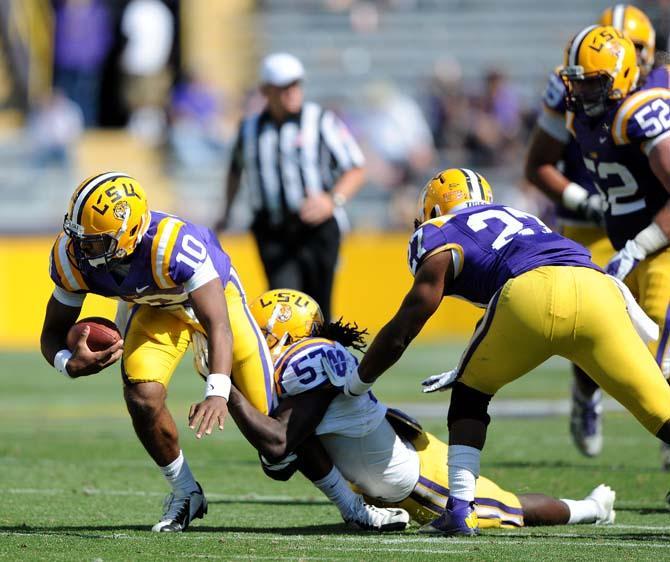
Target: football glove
(625, 260)
(590, 207)
(441, 382)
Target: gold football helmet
(107, 217)
(451, 190)
(635, 25)
(600, 67)
(286, 316)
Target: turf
(76, 484)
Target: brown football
(103, 333)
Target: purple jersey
(658, 78)
(491, 244)
(615, 148)
(173, 258)
(552, 122)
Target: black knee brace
(468, 403)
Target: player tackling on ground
(385, 454)
(543, 297)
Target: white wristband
(218, 384)
(573, 195)
(651, 238)
(356, 386)
(60, 361)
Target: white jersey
(314, 362)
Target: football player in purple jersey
(543, 297)
(555, 165)
(175, 281)
(623, 134)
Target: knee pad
(281, 470)
(468, 403)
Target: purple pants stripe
(664, 339)
(133, 310)
(263, 351)
(434, 486)
(425, 502)
(501, 506)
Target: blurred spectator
(195, 134)
(149, 29)
(83, 38)
(53, 128)
(494, 122)
(399, 144)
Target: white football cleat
(604, 498)
(586, 422)
(370, 518)
(179, 511)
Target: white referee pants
(379, 463)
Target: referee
(301, 165)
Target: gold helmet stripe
(474, 187)
(619, 16)
(86, 190)
(577, 43)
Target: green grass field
(76, 484)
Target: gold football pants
(577, 313)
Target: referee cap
(280, 69)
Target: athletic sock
(581, 511)
(337, 490)
(179, 476)
(463, 463)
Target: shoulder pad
(62, 270)
(642, 116)
(311, 363)
(554, 93)
(162, 249)
(425, 239)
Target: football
(103, 333)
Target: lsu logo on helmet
(600, 67)
(286, 316)
(107, 217)
(635, 25)
(451, 190)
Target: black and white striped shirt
(282, 163)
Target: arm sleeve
(75, 300)
(190, 261)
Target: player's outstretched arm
(291, 423)
(58, 320)
(544, 153)
(418, 306)
(657, 234)
(209, 305)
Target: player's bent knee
(281, 470)
(468, 403)
(145, 399)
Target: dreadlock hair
(346, 334)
